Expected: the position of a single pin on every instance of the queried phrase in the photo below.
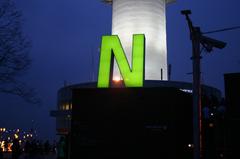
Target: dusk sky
(66, 35)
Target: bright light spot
(2, 145)
(116, 79)
(4, 148)
(16, 136)
(190, 145)
(187, 90)
(212, 114)
(67, 106)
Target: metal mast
(207, 43)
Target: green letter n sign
(132, 77)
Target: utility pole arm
(190, 24)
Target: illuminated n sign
(132, 76)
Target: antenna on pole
(208, 43)
(161, 74)
(169, 72)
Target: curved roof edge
(207, 90)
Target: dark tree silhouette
(14, 49)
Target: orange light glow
(9, 146)
(211, 125)
(67, 106)
(116, 79)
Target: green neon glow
(132, 77)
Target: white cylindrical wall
(142, 17)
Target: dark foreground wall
(137, 122)
(232, 92)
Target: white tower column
(142, 17)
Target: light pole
(207, 43)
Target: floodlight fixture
(186, 12)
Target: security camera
(209, 42)
(186, 12)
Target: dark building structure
(133, 123)
(232, 93)
(153, 121)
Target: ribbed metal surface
(142, 17)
